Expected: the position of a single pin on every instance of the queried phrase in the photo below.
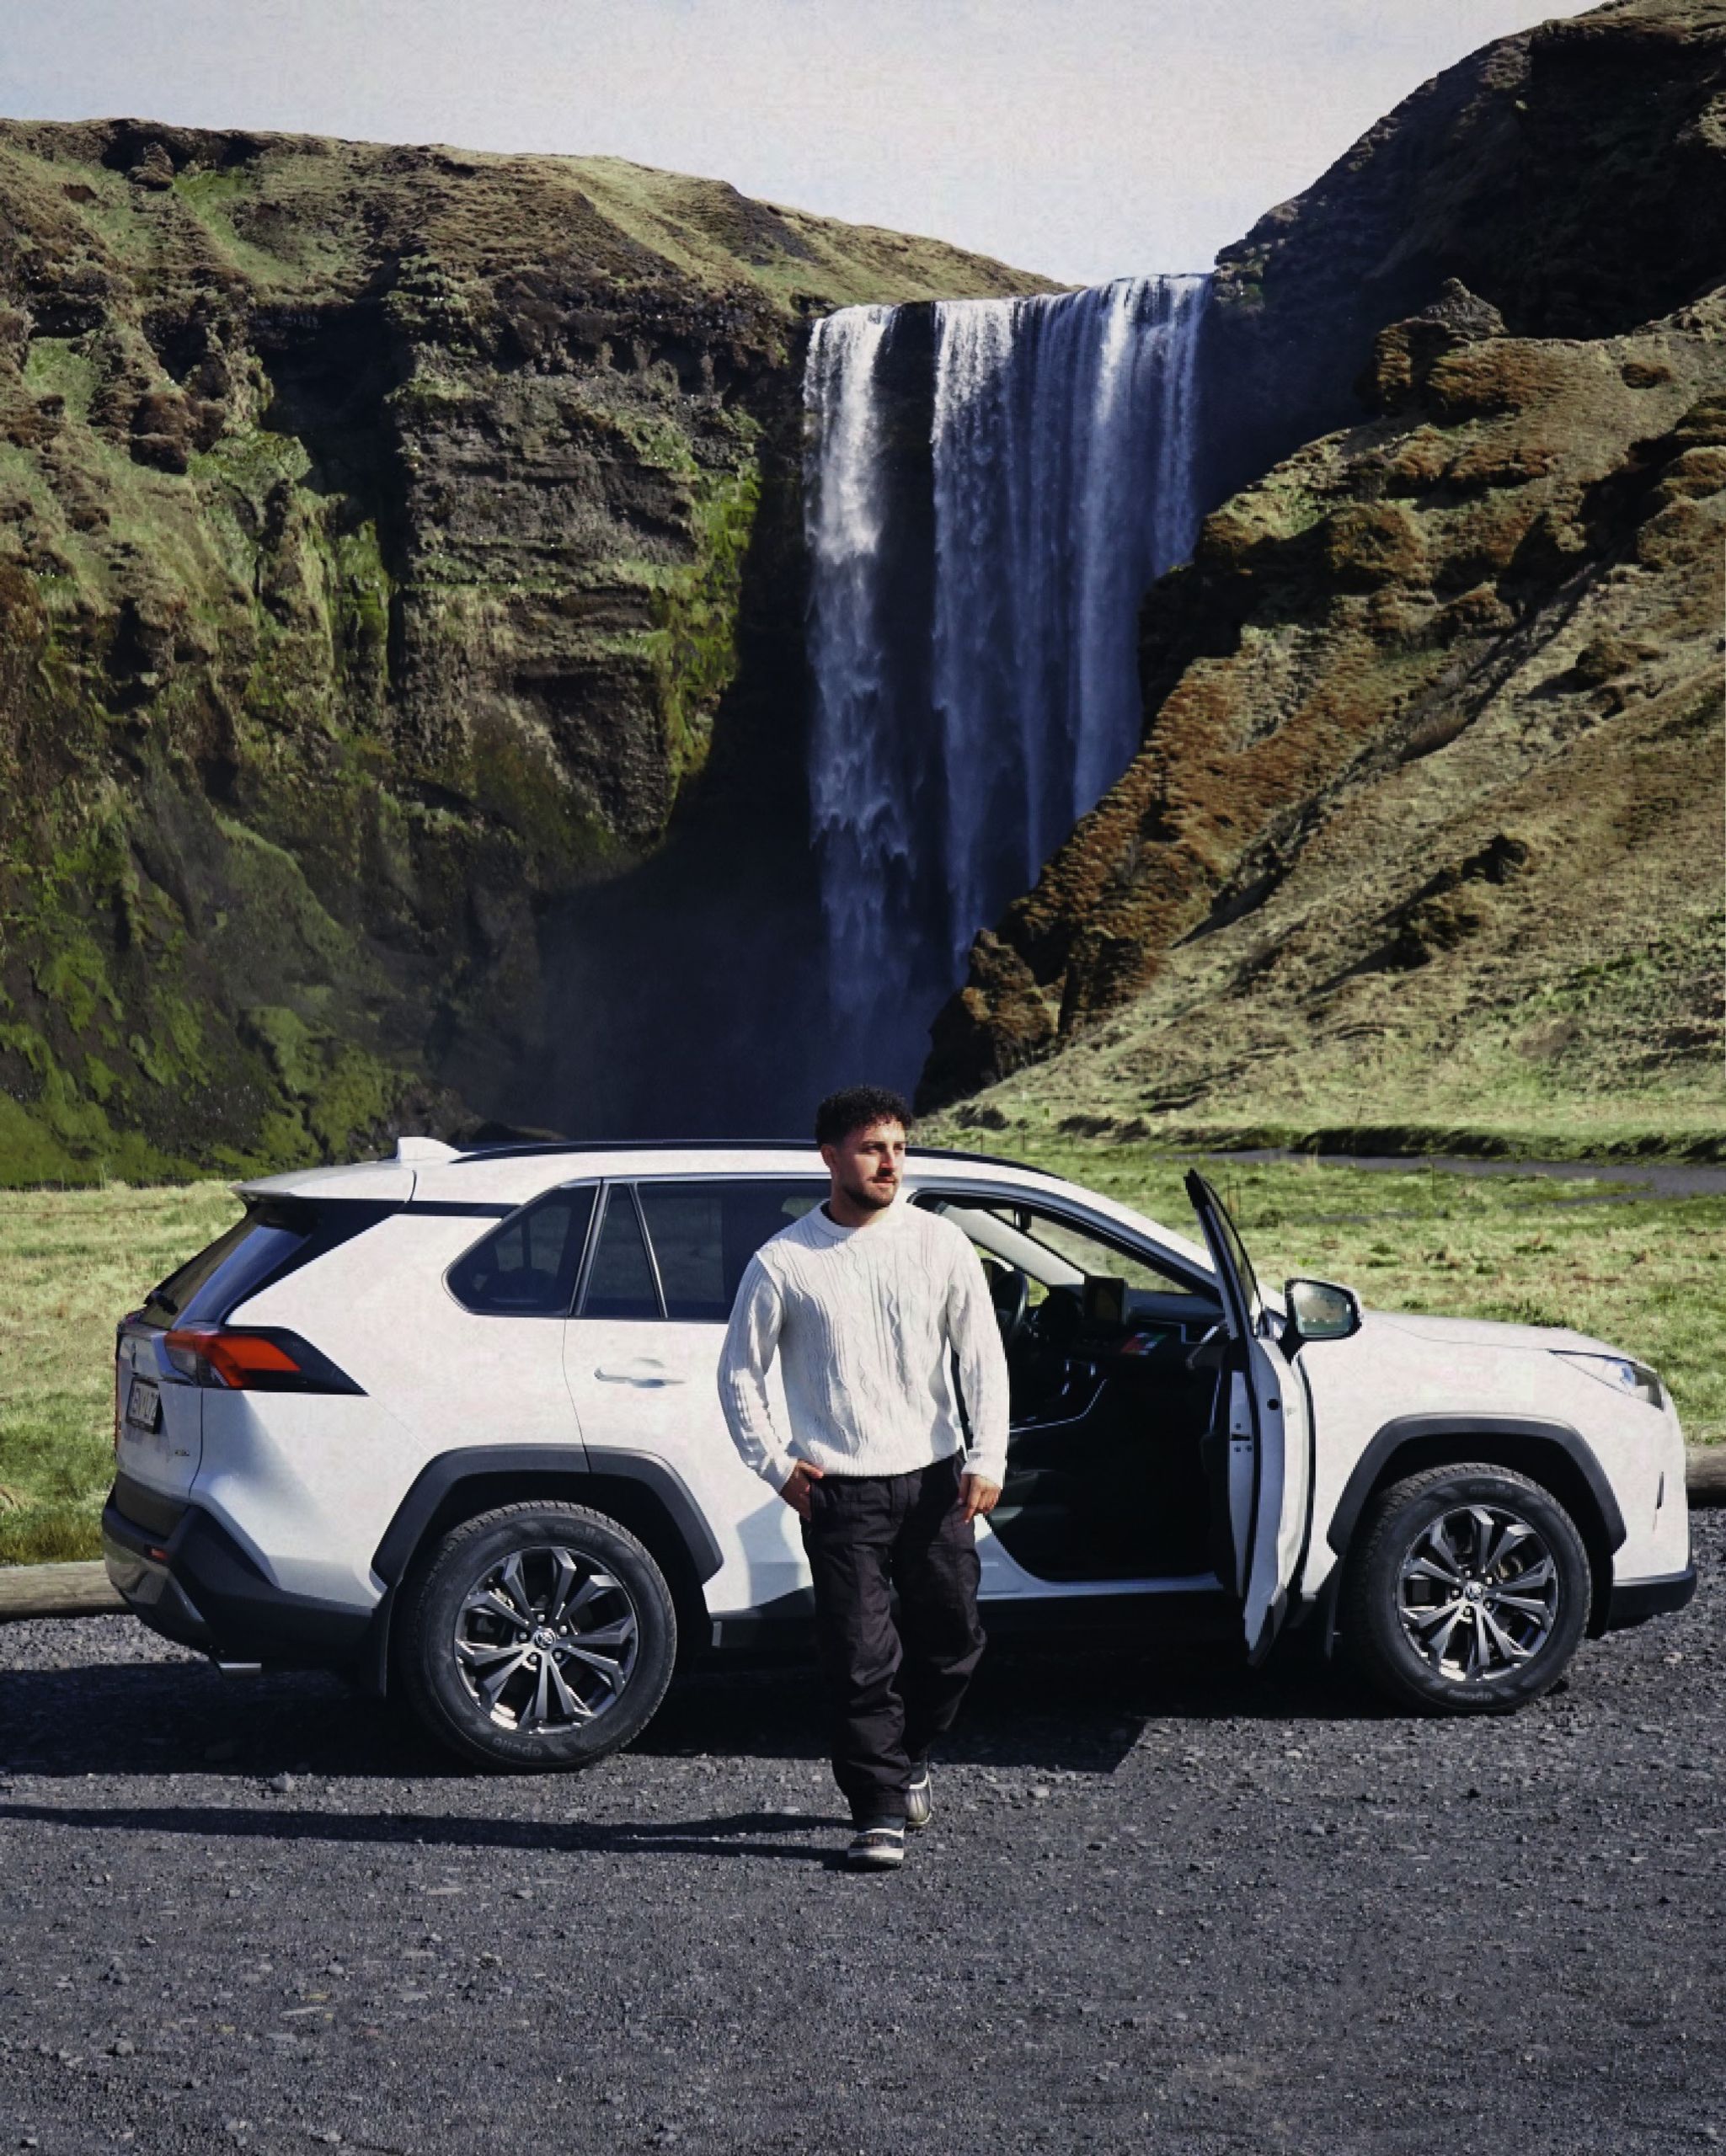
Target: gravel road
(1165, 1905)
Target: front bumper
(1631, 1601)
(196, 1584)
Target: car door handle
(644, 1372)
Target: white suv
(449, 1423)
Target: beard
(869, 1194)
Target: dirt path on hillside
(1639, 1179)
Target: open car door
(1269, 1479)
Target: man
(868, 1299)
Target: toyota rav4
(449, 1423)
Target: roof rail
(708, 1145)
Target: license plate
(143, 1405)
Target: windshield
(1062, 1253)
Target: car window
(704, 1234)
(224, 1272)
(620, 1281)
(1243, 1264)
(527, 1267)
(1112, 1283)
(277, 1236)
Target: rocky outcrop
(394, 545)
(1573, 177)
(1366, 828)
(1434, 754)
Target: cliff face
(1433, 744)
(402, 683)
(394, 543)
(1433, 765)
(1574, 176)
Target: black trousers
(893, 1688)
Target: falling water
(1063, 451)
(859, 785)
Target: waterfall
(1062, 453)
(859, 792)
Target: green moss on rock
(373, 527)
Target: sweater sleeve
(973, 1332)
(751, 1338)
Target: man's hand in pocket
(797, 1486)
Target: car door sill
(1040, 1590)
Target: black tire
(1534, 1593)
(626, 1612)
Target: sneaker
(876, 1845)
(919, 1802)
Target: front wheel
(538, 1636)
(1467, 1592)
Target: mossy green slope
(371, 527)
(1422, 850)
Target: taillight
(119, 1335)
(252, 1358)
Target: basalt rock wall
(398, 552)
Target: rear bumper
(196, 1585)
(1631, 1601)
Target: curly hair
(855, 1108)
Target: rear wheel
(1467, 1592)
(538, 1636)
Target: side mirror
(1319, 1309)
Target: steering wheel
(1010, 1306)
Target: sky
(1081, 139)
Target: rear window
(169, 1299)
(704, 1234)
(527, 1267)
(276, 1237)
(227, 1272)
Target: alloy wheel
(546, 1640)
(1477, 1593)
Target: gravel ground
(1165, 1905)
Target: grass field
(72, 1261)
(1648, 1275)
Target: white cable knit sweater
(865, 1320)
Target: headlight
(1619, 1372)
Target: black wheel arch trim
(441, 1476)
(1632, 1602)
(668, 1485)
(1412, 1430)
